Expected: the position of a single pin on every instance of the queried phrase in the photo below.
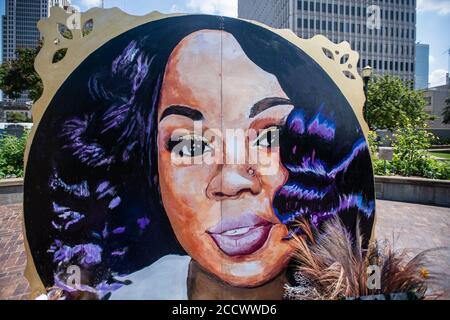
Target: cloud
(91, 3)
(432, 59)
(440, 6)
(175, 9)
(437, 77)
(219, 7)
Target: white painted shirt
(166, 279)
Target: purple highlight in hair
(63, 254)
(124, 60)
(309, 165)
(119, 253)
(119, 230)
(296, 122)
(90, 153)
(319, 126)
(114, 203)
(299, 192)
(72, 216)
(143, 66)
(63, 286)
(105, 232)
(102, 186)
(103, 288)
(358, 147)
(290, 217)
(80, 190)
(74, 220)
(143, 222)
(111, 191)
(91, 254)
(356, 200)
(58, 208)
(56, 226)
(346, 202)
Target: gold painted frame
(339, 61)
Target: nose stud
(251, 171)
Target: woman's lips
(242, 235)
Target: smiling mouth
(242, 236)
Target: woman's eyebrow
(267, 103)
(182, 111)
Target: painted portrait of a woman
(174, 161)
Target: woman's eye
(189, 146)
(269, 139)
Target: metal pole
(366, 93)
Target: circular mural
(174, 161)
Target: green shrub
(12, 151)
(411, 157)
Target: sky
(433, 21)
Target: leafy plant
(411, 156)
(17, 117)
(12, 150)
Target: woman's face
(218, 153)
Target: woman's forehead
(209, 70)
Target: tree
(18, 76)
(446, 113)
(391, 105)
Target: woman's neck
(204, 286)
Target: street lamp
(366, 75)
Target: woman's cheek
(272, 172)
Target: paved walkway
(412, 226)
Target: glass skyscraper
(422, 66)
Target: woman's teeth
(236, 232)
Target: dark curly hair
(91, 189)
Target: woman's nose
(233, 181)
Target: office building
(19, 26)
(422, 66)
(382, 31)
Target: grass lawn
(442, 155)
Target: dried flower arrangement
(331, 264)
